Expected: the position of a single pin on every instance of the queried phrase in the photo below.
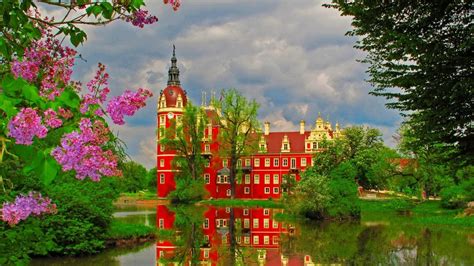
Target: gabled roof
(275, 139)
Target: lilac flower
(51, 119)
(24, 206)
(25, 125)
(140, 18)
(82, 151)
(127, 104)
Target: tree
(238, 132)
(133, 177)
(45, 124)
(423, 49)
(185, 137)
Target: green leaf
(31, 93)
(95, 10)
(69, 98)
(49, 169)
(107, 10)
(7, 105)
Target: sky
(292, 57)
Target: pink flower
(96, 94)
(24, 206)
(25, 125)
(82, 151)
(140, 18)
(51, 119)
(127, 104)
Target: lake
(252, 236)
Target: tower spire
(173, 72)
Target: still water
(252, 236)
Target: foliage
(344, 202)
(424, 49)
(185, 137)
(84, 215)
(134, 177)
(238, 127)
(18, 243)
(243, 203)
(151, 179)
(458, 196)
(312, 196)
(120, 230)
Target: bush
(84, 215)
(187, 191)
(455, 197)
(320, 198)
(344, 202)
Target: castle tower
(170, 109)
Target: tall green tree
(420, 56)
(134, 177)
(238, 132)
(185, 137)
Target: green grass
(243, 203)
(122, 230)
(426, 213)
(141, 195)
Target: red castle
(280, 153)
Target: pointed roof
(173, 72)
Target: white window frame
(246, 223)
(284, 162)
(256, 179)
(293, 163)
(246, 190)
(162, 162)
(256, 240)
(256, 162)
(162, 178)
(248, 162)
(206, 223)
(276, 190)
(267, 162)
(246, 212)
(276, 179)
(266, 211)
(276, 162)
(303, 162)
(267, 179)
(207, 178)
(267, 190)
(266, 223)
(255, 223)
(266, 240)
(247, 179)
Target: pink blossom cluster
(25, 125)
(26, 205)
(174, 3)
(55, 62)
(127, 104)
(141, 18)
(82, 151)
(96, 94)
(51, 119)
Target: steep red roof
(171, 95)
(275, 139)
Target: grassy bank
(141, 195)
(427, 213)
(242, 203)
(121, 233)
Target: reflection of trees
(189, 236)
(234, 253)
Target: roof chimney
(266, 131)
(302, 127)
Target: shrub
(344, 202)
(84, 215)
(458, 196)
(187, 191)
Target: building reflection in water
(224, 236)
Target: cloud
(292, 57)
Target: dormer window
(179, 101)
(262, 144)
(162, 102)
(285, 145)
